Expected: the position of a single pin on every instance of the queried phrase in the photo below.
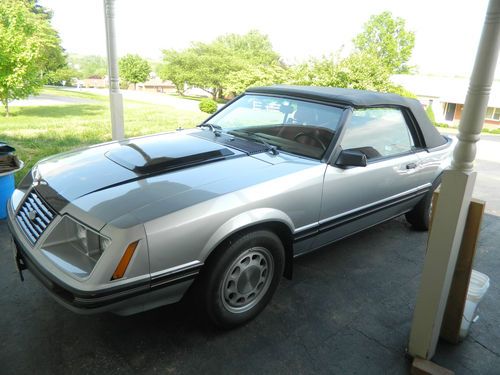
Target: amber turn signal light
(127, 256)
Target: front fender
(242, 221)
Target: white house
(447, 97)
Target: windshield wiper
(271, 148)
(216, 129)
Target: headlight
(27, 180)
(32, 176)
(74, 247)
(35, 174)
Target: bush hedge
(208, 105)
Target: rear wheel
(420, 216)
(241, 278)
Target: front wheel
(420, 216)
(241, 278)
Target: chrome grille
(34, 216)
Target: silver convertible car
(221, 211)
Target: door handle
(411, 166)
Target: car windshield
(291, 125)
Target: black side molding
(345, 219)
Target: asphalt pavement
(348, 310)
(487, 166)
(47, 100)
(150, 97)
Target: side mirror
(351, 158)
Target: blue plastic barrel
(6, 190)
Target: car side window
(378, 133)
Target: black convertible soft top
(360, 99)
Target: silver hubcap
(247, 280)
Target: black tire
(250, 262)
(420, 216)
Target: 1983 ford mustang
(280, 171)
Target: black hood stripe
(163, 171)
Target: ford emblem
(32, 215)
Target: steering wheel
(313, 137)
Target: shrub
(441, 124)
(208, 105)
(124, 85)
(430, 113)
(492, 131)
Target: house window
(449, 111)
(493, 114)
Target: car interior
(306, 131)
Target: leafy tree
(359, 71)
(253, 47)
(213, 66)
(134, 69)
(53, 55)
(155, 66)
(210, 65)
(90, 66)
(363, 72)
(314, 72)
(60, 76)
(385, 37)
(53, 58)
(382, 49)
(255, 75)
(177, 68)
(25, 36)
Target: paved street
(47, 99)
(148, 97)
(487, 164)
(153, 98)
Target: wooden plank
(443, 247)
(424, 367)
(450, 328)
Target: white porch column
(115, 97)
(456, 190)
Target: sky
(447, 31)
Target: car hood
(164, 173)
(82, 172)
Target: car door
(391, 182)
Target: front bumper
(124, 299)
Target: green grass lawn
(41, 131)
